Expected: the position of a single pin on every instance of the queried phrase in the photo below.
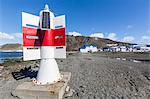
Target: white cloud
(5, 36)
(128, 39)
(100, 35)
(74, 33)
(17, 35)
(10, 38)
(146, 37)
(112, 36)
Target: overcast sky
(120, 20)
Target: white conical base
(48, 72)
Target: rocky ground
(94, 76)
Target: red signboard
(37, 37)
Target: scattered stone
(67, 88)
(1, 68)
(100, 79)
(81, 87)
(35, 69)
(69, 93)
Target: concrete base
(28, 90)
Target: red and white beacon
(44, 38)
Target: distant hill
(73, 43)
(11, 47)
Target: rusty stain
(52, 92)
(61, 81)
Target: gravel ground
(93, 77)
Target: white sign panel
(30, 23)
(59, 23)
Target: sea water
(4, 55)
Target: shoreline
(125, 56)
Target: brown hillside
(75, 42)
(11, 47)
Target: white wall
(87, 49)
